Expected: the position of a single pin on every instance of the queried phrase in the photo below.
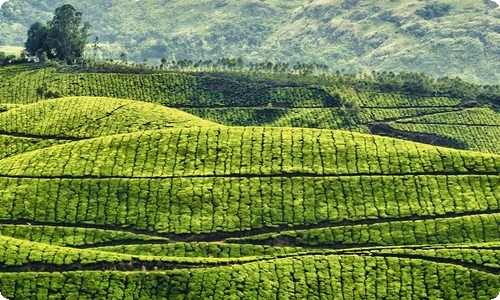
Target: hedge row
(37, 256)
(324, 118)
(479, 228)
(203, 205)
(7, 106)
(70, 236)
(201, 249)
(12, 145)
(14, 252)
(374, 99)
(476, 137)
(315, 277)
(476, 116)
(482, 257)
(20, 85)
(222, 151)
(171, 89)
(371, 115)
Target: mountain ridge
(436, 37)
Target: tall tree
(64, 38)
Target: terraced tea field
(108, 198)
(274, 100)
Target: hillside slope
(106, 198)
(443, 37)
(25, 128)
(87, 117)
(250, 212)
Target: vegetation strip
(418, 115)
(448, 124)
(486, 269)
(134, 265)
(282, 175)
(222, 236)
(160, 203)
(41, 137)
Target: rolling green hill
(445, 37)
(477, 128)
(87, 117)
(245, 186)
(25, 128)
(219, 212)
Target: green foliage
(71, 236)
(235, 179)
(37, 36)
(7, 106)
(474, 128)
(310, 277)
(434, 10)
(483, 257)
(328, 153)
(203, 249)
(6, 59)
(28, 84)
(230, 205)
(19, 253)
(240, 99)
(62, 38)
(12, 145)
(473, 228)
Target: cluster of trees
(219, 65)
(238, 64)
(434, 10)
(64, 38)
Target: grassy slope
(352, 35)
(477, 128)
(353, 277)
(240, 151)
(12, 145)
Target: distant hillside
(445, 37)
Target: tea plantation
(223, 186)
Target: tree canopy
(63, 38)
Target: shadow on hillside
(426, 138)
